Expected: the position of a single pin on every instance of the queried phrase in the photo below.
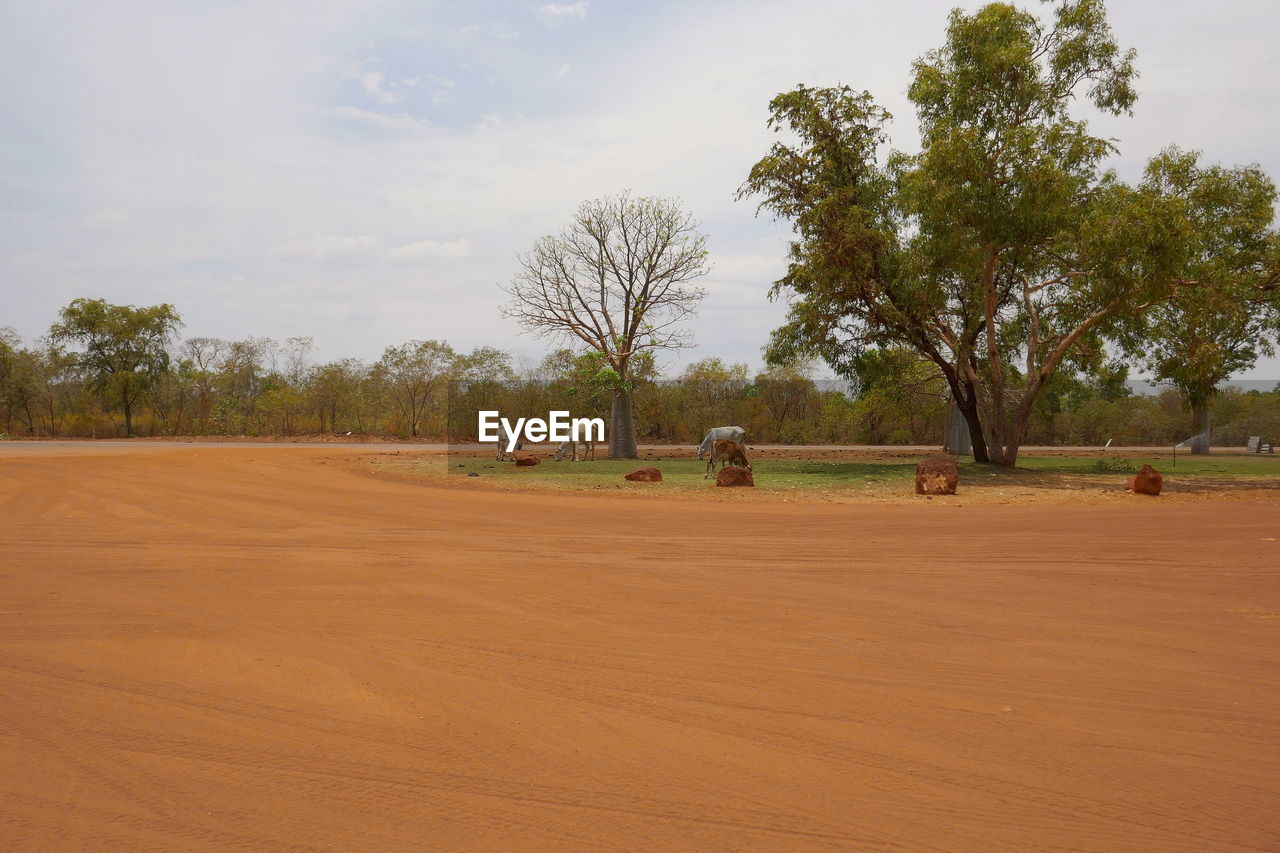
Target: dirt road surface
(267, 649)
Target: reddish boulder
(1146, 482)
(937, 475)
(524, 460)
(735, 475)
(644, 475)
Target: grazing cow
(504, 438)
(725, 433)
(726, 452)
(588, 449)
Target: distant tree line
(106, 370)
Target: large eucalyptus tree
(1225, 311)
(1002, 249)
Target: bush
(1114, 465)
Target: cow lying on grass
(725, 452)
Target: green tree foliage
(475, 381)
(711, 388)
(1223, 314)
(20, 384)
(997, 252)
(786, 393)
(415, 374)
(243, 377)
(10, 344)
(334, 393)
(125, 348)
(900, 396)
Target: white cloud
(428, 249)
(372, 81)
(106, 217)
(367, 250)
(439, 88)
(563, 70)
(328, 247)
(554, 13)
(394, 121)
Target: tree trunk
(1009, 454)
(965, 396)
(622, 428)
(968, 407)
(995, 371)
(1200, 415)
(1018, 430)
(128, 418)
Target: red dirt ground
(266, 649)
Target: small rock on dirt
(937, 475)
(644, 475)
(735, 475)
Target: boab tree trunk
(1200, 416)
(622, 428)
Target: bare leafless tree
(616, 279)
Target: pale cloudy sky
(365, 172)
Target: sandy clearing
(208, 648)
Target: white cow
(726, 433)
(504, 438)
(571, 447)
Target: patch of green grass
(688, 473)
(1186, 466)
(870, 477)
